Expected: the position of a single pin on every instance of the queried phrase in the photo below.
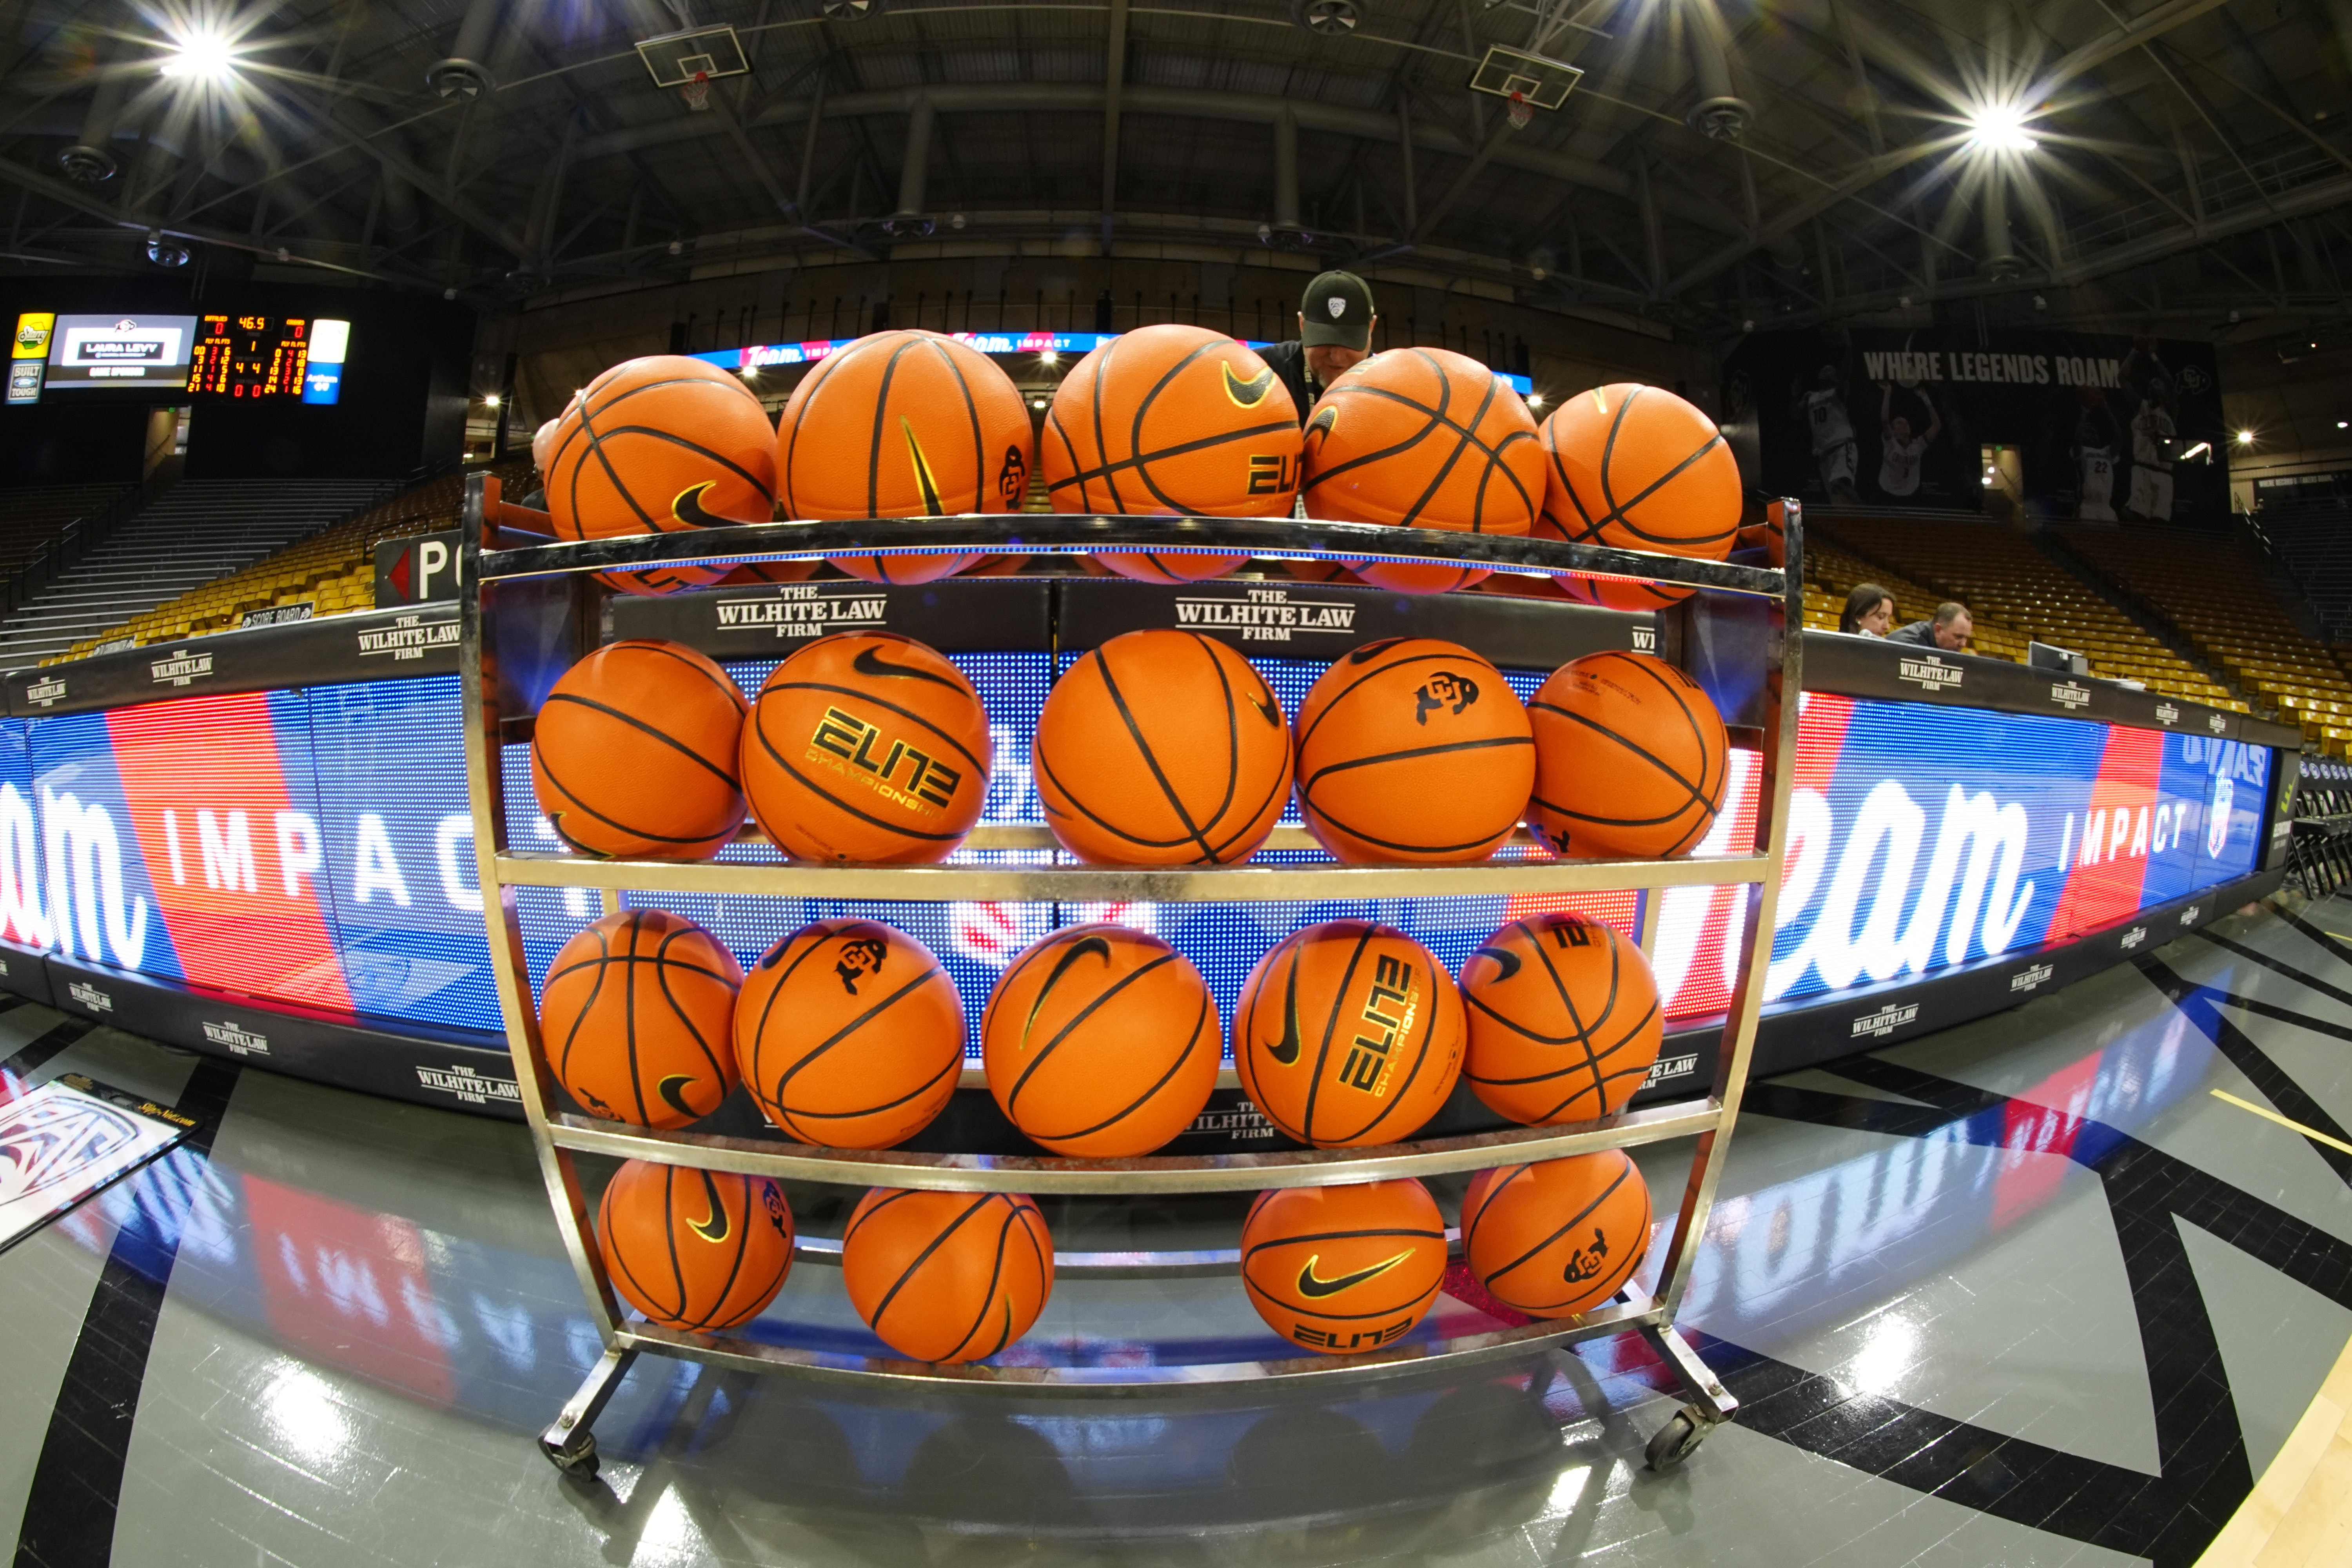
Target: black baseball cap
(1338, 311)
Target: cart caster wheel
(576, 1459)
(1679, 1438)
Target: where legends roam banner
(313, 848)
(2069, 426)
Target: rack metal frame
(504, 544)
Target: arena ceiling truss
(1717, 164)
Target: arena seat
(2312, 541)
(333, 570)
(1997, 572)
(1833, 572)
(30, 517)
(2212, 590)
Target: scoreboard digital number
(269, 357)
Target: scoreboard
(269, 357)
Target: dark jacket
(1920, 632)
(1288, 361)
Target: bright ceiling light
(2245, 437)
(1535, 400)
(201, 56)
(2000, 128)
(1049, 356)
(491, 400)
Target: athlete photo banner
(2092, 428)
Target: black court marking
(2204, 1474)
(35, 1053)
(2199, 1004)
(70, 1509)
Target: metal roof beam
(1191, 103)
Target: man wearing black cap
(1335, 335)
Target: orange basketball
(1344, 1269)
(1631, 759)
(1101, 1042)
(947, 1277)
(658, 445)
(1172, 420)
(1558, 1237)
(635, 1018)
(1608, 592)
(1640, 468)
(850, 1034)
(1423, 438)
(1564, 1020)
(634, 753)
(1349, 1034)
(903, 424)
(700, 1251)
(1161, 748)
(656, 581)
(866, 746)
(1413, 750)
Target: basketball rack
(1743, 626)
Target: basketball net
(697, 91)
(1521, 111)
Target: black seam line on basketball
(1609, 453)
(671, 437)
(1191, 1045)
(859, 1218)
(1697, 796)
(1414, 751)
(755, 1071)
(1600, 1087)
(1067, 948)
(1625, 1172)
(1143, 411)
(995, 1278)
(710, 1054)
(1487, 841)
(1435, 417)
(1134, 734)
(1654, 671)
(1594, 1065)
(596, 450)
(1493, 452)
(741, 1236)
(1319, 1315)
(1576, 1014)
(814, 787)
(1533, 1037)
(1472, 1214)
(669, 1237)
(638, 724)
(604, 950)
(809, 1057)
(915, 1266)
(1322, 1237)
(1462, 439)
(1252, 826)
(1215, 654)
(621, 1261)
(1617, 513)
(980, 453)
(1102, 451)
(1076, 1021)
(691, 661)
(629, 1018)
(863, 695)
(1348, 689)
(898, 351)
(589, 964)
(1330, 1017)
(926, 1087)
(1070, 447)
(1109, 467)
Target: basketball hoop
(697, 91)
(1521, 111)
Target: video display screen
(140, 353)
(314, 846)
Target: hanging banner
(2088, 427)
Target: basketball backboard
(1534, 79)
(676, 59)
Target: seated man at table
(1949, 630)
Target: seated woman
(1869, 611)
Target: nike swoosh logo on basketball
(1505, 960)
(1247, 394)
(1285, 1050)
(673, 1093)
(922, 466)
(688, 507)
(1313, 1289)
(714, 1229)
(1267, 710)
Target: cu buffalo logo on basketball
(860, 956)
(1013, 480)
(1588, 1261)
(1443, 690)
(1388, 1010)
